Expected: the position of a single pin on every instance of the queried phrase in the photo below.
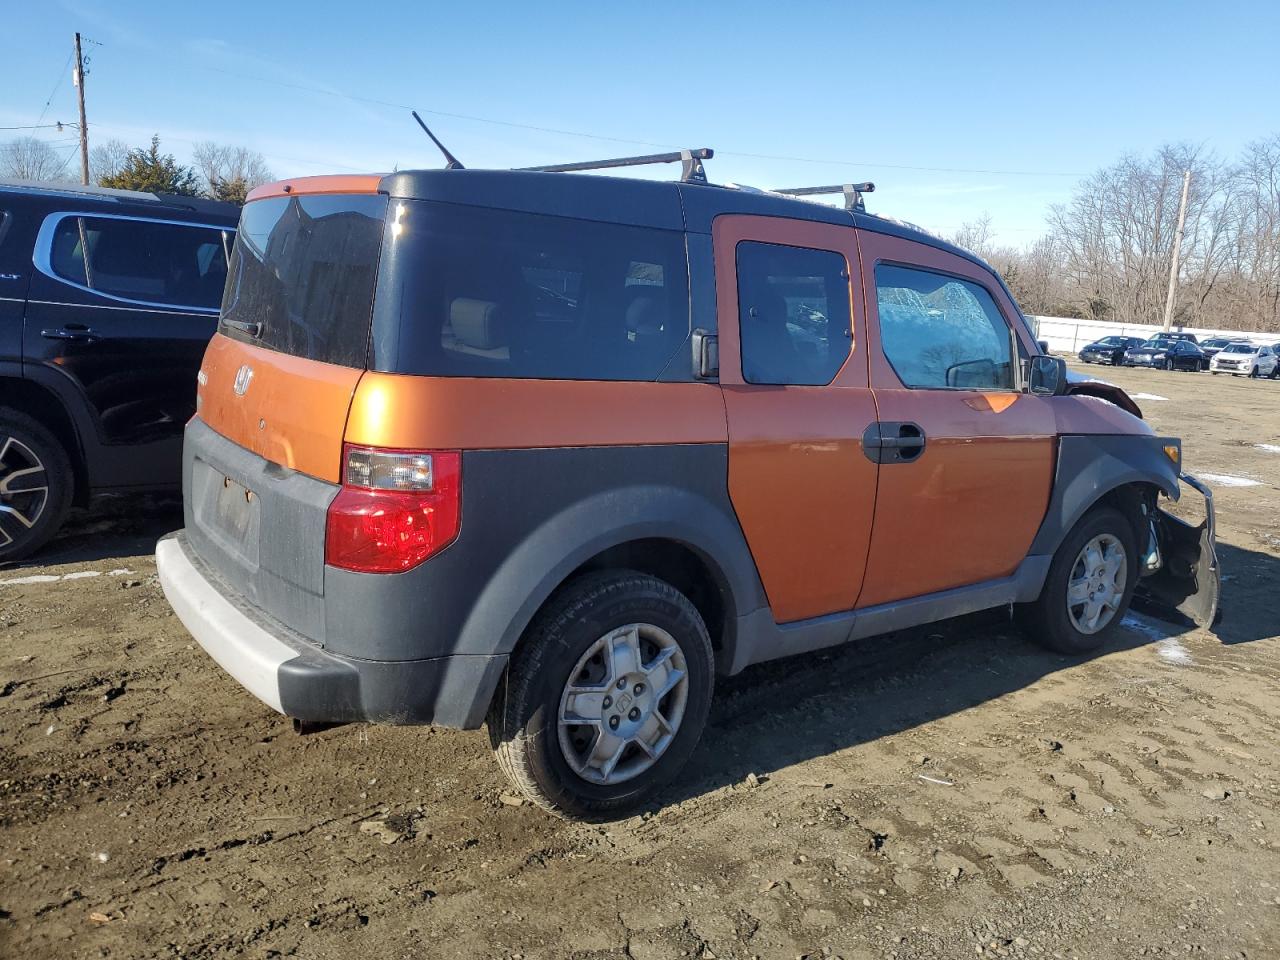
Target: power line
(56, 87)
(644, 143)
(270, 156)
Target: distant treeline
(1107, 252)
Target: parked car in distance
(1168, 352)
(1108, 349)
(1249, 359)
(527, 463)
(1213, 345)
(108, 299)
(1185, 355)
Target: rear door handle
(72, 331)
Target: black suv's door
(121, 309)
(15, 272)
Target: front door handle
(893, 442)
(72, 331)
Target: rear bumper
(297, 678)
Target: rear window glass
(302, 276)
(477, 292)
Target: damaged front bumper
(1184, 561)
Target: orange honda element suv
(551, 452)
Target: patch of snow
(1145, 626)
(58, 578)
(1147, 396)
(1226, 480)
(1171, 651)
(1269, 447)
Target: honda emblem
(243, 378)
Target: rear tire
(629, 655)
(36, 484)
(1061, 618)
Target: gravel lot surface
(948, 792)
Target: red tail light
(396, 508)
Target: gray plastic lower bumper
(300, 680)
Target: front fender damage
(1188, 579)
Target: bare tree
(107, 160)
(228, 172)
(27, 158)
(1034, 276)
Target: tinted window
(140, 260)
(940, 331)
(302, 275)
(477, 292)
(793, 313)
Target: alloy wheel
(1097, 583)
(623, 703)
(24, 489)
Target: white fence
(1067, 335)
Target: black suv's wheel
(606, 698)
(35, 485)
(1089, 586)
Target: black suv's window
(478, 292)
(941, 332)
(793, 313)
(302, 275)
(144, 261)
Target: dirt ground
(950, 792)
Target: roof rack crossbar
(852, 193)
(690, 161)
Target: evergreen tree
(230, 189)
(152, 172)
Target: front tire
(36, 484)
(606, 697)
(1090, 583)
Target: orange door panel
(802, 489)
(966, 509)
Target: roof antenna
(451, 162)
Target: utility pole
(84, 127)
(1177, 251)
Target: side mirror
(1047, 376)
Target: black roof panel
(668, 205)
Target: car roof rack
(852, 193)
(690, 160)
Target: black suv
(107, 301)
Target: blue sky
(1008, 104)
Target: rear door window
(142, 261)
(942, 332)
(302, 275)
(793, 313)
(479, 292)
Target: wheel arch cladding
(620, 528)
(576, 507)
(44, 405)
(1091, 469)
